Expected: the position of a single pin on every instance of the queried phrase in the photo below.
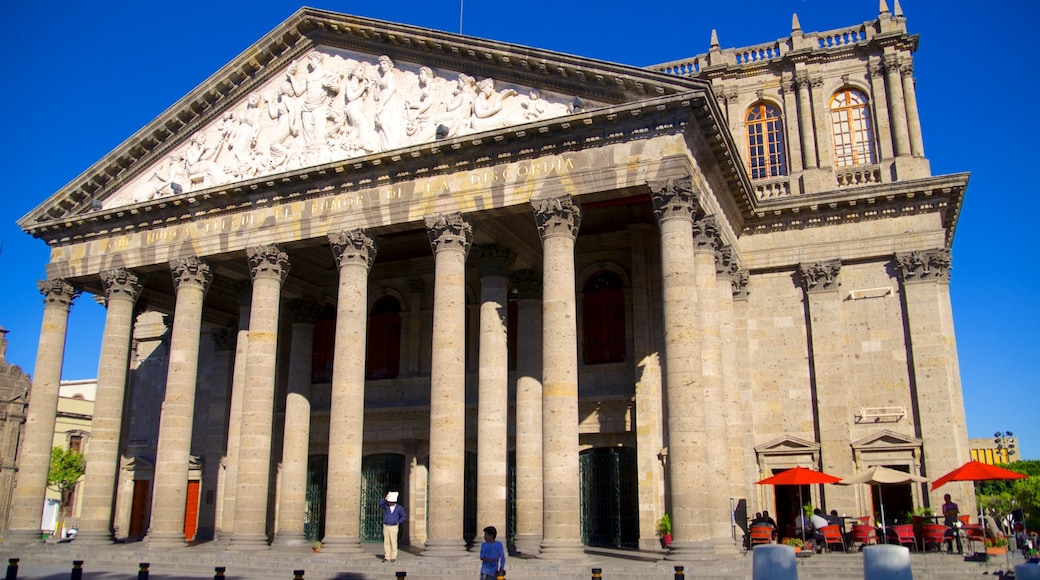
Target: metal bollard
(77, 570)
(12, 569)
(142, 574)
(297, 575)
(218, 572)
(597, 573)
(680, 573)
(400, 574)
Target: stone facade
(14, 398)
(563, 302)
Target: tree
(67, 468)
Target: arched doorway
(380, 473)
(609, 498)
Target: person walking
(492, 555)
(393, 515)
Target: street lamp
(1005, 445)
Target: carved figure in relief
(457, 112)
(388, 105)
(534, 106)
(487, 105)
(419, 127)
(166, 179)
(244, 135)
(358, 129)
(315, 90)
(200, 162)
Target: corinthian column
(296, 436)
(896, 108)
(913, 118)
(675, 206)
(354, 251)
(450, 237)
(268, 267)
(122, 288)
(558, 220)
(805, 121)
(191, 278)
(34, 457)
(493, 385)
(528, 411)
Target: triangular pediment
(325, 87)
(886, 440)
(787, 445)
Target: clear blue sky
(83, 76)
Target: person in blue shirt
(492, 555)
(393, 515)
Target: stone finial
(898, 10)
(714, 39)
(795, 25)
(883, 8)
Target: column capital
(820, 276)
(674, 199)
(726, 262)
(449, 231)
(494, 259)
(557, 216)
(706, 233)
(191, 270)
(924, 266)
(57, 292)
(353, 247)
(305, 310)
(268, 261)
(741, 284)
(121, 283)
(528, 284)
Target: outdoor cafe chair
(832, 535)
(904, 534)
(975, 533)
(934, 534)
(761, 535)
(863, 535)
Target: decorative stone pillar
(122, 288)
(829, 341)
(675, 207)
(354, 251)
(821, 123)
(883, 121)
(268, 267)
(558, 220)
(493, 385)
(225, 523)
(296, 436)
(896, 107)
(528, 284)
(191, 279)
(34, 457)
(736, 428)
(805, 121)
(450, 237)
(934, 370)
(913, 118)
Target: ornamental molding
(924, 266)
(820, 276)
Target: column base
(289, 539)
(343, 546)
(248, 543)
(445, 549)
(528, 544)
(23, 537)
(569, 550)
(94, 538)
(703, 550)
(163, 540)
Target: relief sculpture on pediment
(335, 105)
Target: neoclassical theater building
(525, 289)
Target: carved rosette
(820, 276)
(726, 262)
(190, 270)
(557, 216)
(674, 199)
(494, 259)
(305, 310)
(121, 283)
(706, 233)
(450, 231)
(528, 284)
(57, 292)
(741, 284)
(268, 261)
(353, 247)
(925, 266)
(224, 338)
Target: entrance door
(191, 510)
(317, 476)
(609, 498)
(379, 474)
(139, 509)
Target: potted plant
(996, 546)
(795, 543)
(316, 546)
(664, 529)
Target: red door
(139, 508)
(191, 510)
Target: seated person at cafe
(833, 518)
(763, 520)
(818, 521)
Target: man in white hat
(393, 515)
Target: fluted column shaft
(558, 221)
(528, 412)
(675, 205)
(296, 435)
(191, 278)
(225, 524)
(268, 267)
(896, 108)
(493, 385)
(450, 237)
(122, 288)
(805, 124)
(34, 455)
(354, 252)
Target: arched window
(324, 349)
(765, 140)
(384, 339)
(853, 130)
(603, 319)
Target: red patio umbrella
(976, 471)
(799, 476)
